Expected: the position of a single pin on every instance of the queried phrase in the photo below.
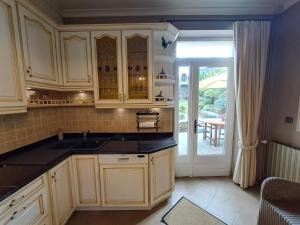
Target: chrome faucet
(85, 134)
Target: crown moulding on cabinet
(92, 8)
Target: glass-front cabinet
(137, 66)
(122, 67)
(107, 66)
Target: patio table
(217, 123)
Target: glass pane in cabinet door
(107, 68)
(137, 58)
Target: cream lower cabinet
(12, 84)
(124, 183)
(61, 190)
(29, 206)
(161, 170)
(86, 180)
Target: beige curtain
(251, 40)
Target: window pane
(204, 49)
(184, 74)
(212, 106)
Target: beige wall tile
(22, 129)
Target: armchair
(279, 203)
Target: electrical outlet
(289, 119)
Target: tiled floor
(219, 196)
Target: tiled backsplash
(22, 129)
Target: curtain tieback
(248, 147)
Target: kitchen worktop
(21, 166)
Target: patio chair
(221, 135)
(209, 133)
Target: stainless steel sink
(63, 145)
(89, 144)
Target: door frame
(204, 165)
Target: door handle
(195, 126)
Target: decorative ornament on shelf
(165, 44)
(162, 74)
(159, 97)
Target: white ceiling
(91, 8)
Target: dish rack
(147, 120)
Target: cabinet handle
(120, 97)
(89, 78)
(14, 201)
(28, 71)
(123, 159)
(125, 97)
(13, 215)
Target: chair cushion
(288, 211)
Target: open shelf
(161, 82)
(164, 58)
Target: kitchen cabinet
(31, 211)
(76, 59)
(161, 170)
(86, 180)
(12, 84)
(137, 66)
(122, 67)
(30, 205)
(61, 189)
(106, 56)
(39, 50)
(124, 180)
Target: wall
(22, 129)
(285, 78)
(77, 119)
(37, 124)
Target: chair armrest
(275, 188)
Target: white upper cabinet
(107, 62)
(76, 59)
(12, 87)
(39, 49)
(137, 66)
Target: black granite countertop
(21, 166)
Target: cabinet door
(62, 195)
(12, 85)
(86, 180)
(124, 185)
(137, 66)
(31, 211)
(106, 56)
(39, 49)
(161, 175)
(76, 59)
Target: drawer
(46, 221)
(31, 211)
(123, 159)
(22, 194)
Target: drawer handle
(13, 202)
(123, 159)
(13, 215)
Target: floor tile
(219, 196)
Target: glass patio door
(205, 116)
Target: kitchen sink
(63, 145)
(89, 144)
